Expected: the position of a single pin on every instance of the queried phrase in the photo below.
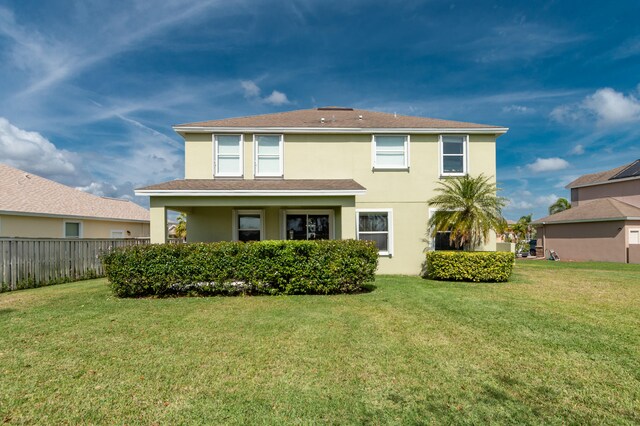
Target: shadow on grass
(4, 311)
(367, 288)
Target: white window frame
(124, 234)
(633, 230)
(216, 173)
(330, 212)
(389, 212)
(465, 155)
(236, 228)
(280, 156)
(407, 143)
(64, 228)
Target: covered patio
(252, 210)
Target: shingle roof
(337, 117)
(24, 192)
(600, 209)
(600, 177)
(256, 185)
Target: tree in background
(468, 208)
(523, 229)
(560, 205)
(181, 227)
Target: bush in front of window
(469, 266)
(236, 268)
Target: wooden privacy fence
(29, 262)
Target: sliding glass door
(308, 226)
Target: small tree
(181, 227)
(468, 208)
(522, 228)
(560, 205)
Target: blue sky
(89, 89)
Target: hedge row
(230, 268)
(470, 266)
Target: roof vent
(359, 117)
(334, 108)
(322, 120)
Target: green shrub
(469, 266)
(229, 268)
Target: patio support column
(158, 224)
(348, 222)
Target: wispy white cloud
(548, 165)
(546, 200)
(252, 91)
(577, 150)
(50, 61)
(563, 181)
(521, 41)
(276, 98)
(629, 48)
(606, 106)
(519, 204)
(519, 109)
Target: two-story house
(321, 173)
(603, 222)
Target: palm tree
(522, 228)
(181, 228)
(559, 206)
(468, 208)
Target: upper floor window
(268, 155)
(228, 155)
(390, 152)
(453, 160)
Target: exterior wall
(198, 156)
(349, 157)
(598, 241)
(627, 191)
(336, 156)
(53, 227)
(506, 247)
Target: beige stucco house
(321, 173)
(34, 207)
(603, 223)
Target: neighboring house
(35, 207)
(508, 234)
(171, 229)
(603, 222)
(321, 173)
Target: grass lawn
(560, 343)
